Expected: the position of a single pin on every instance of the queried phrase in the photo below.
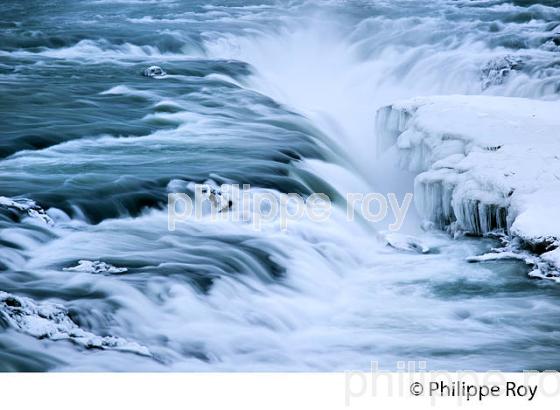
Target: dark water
(280, 95)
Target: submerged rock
(95, 267)
(51, 321)
(26, 206)
(154, 71)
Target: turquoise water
(280, 95)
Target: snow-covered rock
(26, 206)
(154, 71)
(95, 267)
(220, 199)
(51, 321)
(404, 243)
(484, 164)
(543, 266)
(497, 70)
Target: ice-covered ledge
(484, 164)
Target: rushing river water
(280, 95)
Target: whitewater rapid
(281, 95)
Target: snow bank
(484, 164)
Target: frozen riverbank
(486, 165)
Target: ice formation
(485, 164)
(51, 321)
(95, 267)
(26, 206)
